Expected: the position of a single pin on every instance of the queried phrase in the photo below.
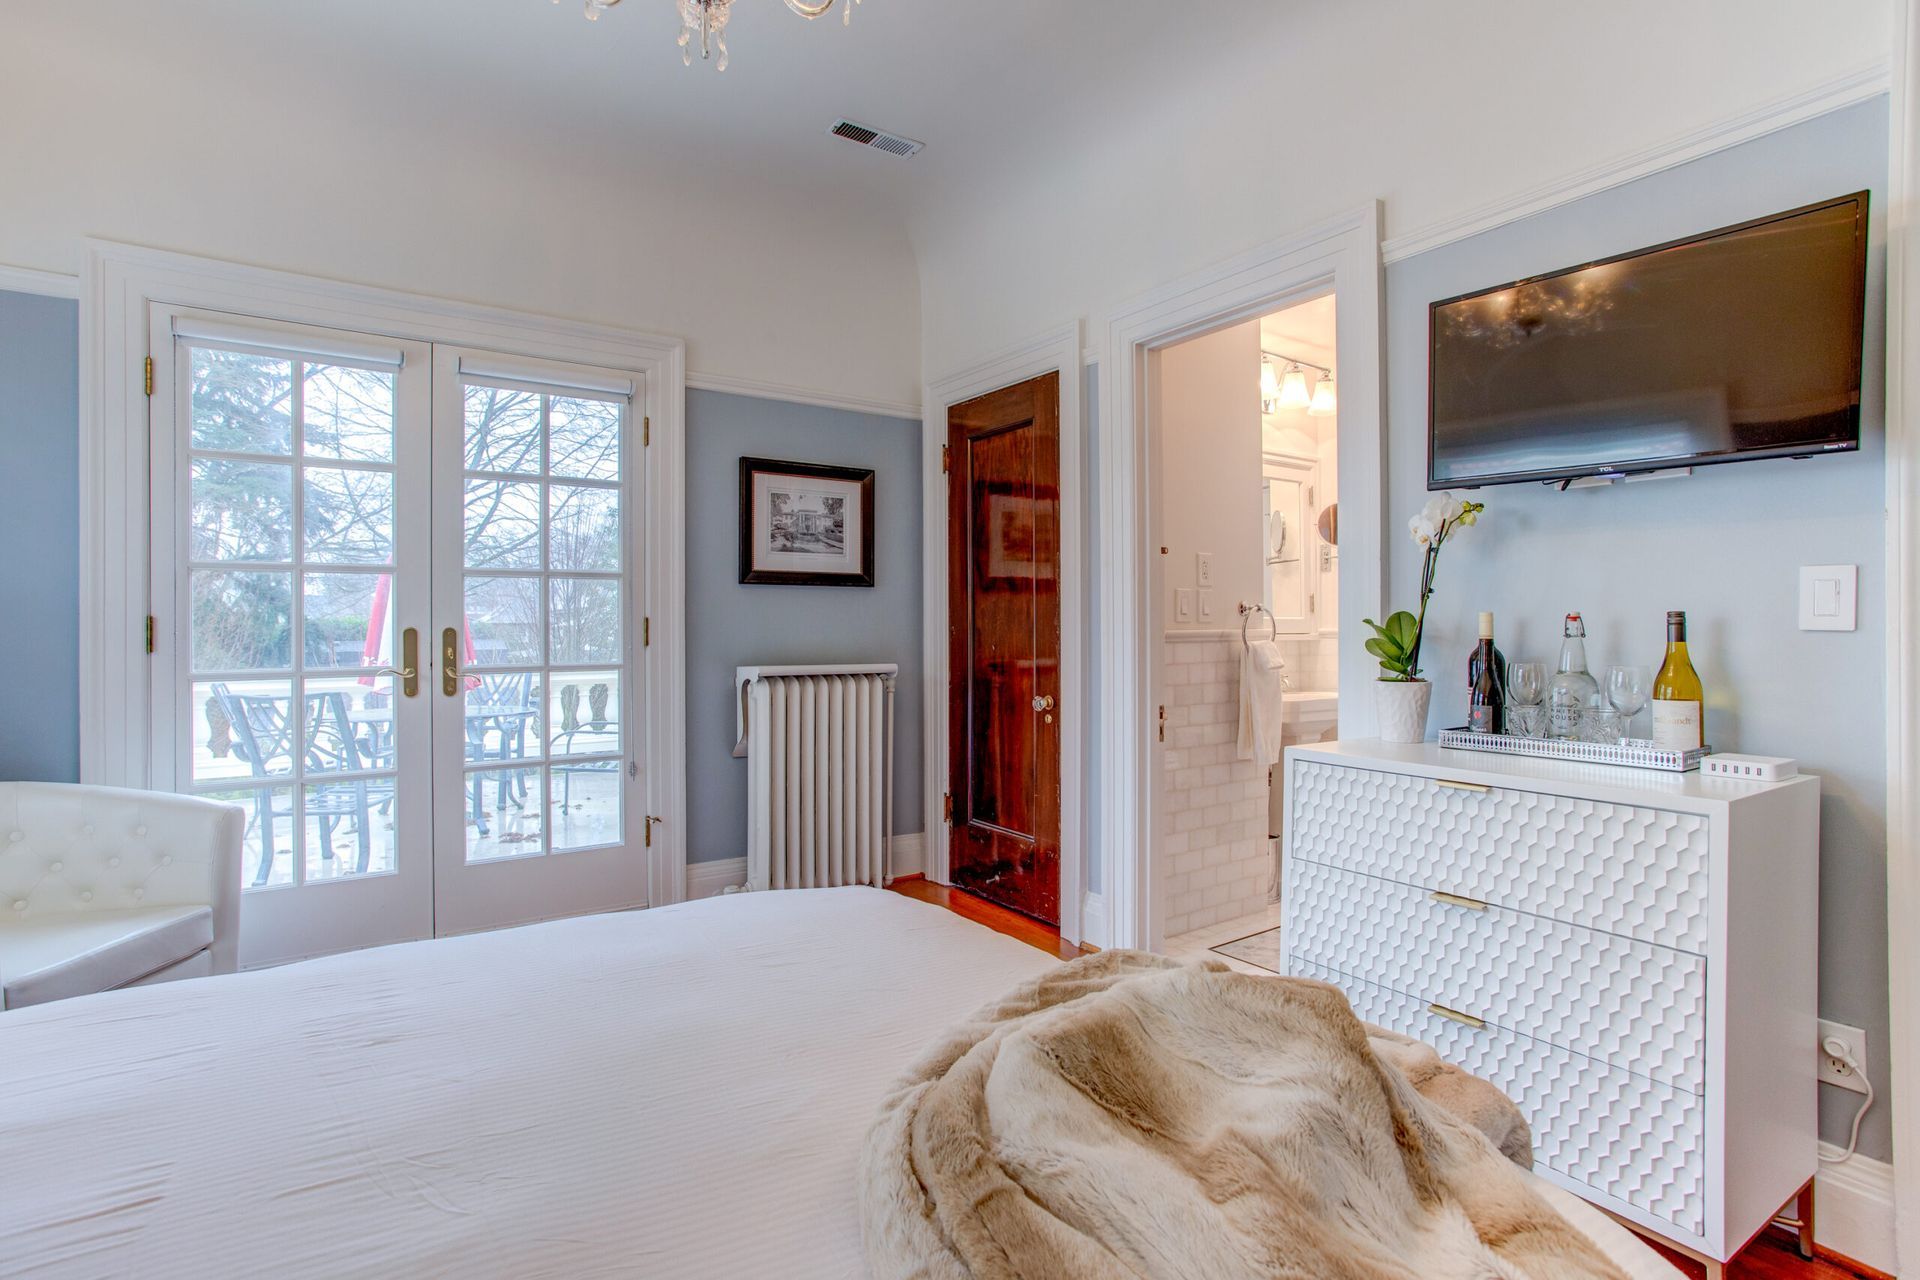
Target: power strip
(1749, 768)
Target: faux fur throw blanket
(1128, 1116)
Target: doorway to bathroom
(1248, 513)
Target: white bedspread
(673, 1093)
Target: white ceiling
(1304, 330)
(988, 85)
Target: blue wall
(1725, 545)
(730, 625)
(40, 538)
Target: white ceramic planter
(1400, 709)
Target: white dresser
(1629, 954)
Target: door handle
(1041, 703)
(410, 654)
(450, 662)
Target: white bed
(672, 1093)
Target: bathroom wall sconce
(1289, 390)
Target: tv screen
(1740, 343)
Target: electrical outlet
(1183, 604)
(1832, 1070)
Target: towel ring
(1246, 619)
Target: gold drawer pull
(1455, 900)
(1465, 1019)
(1450, 784)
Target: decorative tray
(1638, 753)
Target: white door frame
(1341, 256)
(1903, 623)
(118, 285)
(1055, 351)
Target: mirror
(1330, 524)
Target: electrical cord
(1835, 1047)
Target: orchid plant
(1396, 643)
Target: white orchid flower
(1423, 529)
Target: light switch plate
(1203, 568)
(1829, 597)
(1183, 605)
(1206, 606)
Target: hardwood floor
(991, 914)
(1772, 1257)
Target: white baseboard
(1093, 921)
(704, 879)
(1853, 1210)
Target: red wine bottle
(1486, 683)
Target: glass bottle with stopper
(1572, 689)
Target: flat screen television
(1740, 343)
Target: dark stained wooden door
(1003, 611)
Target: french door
(393, 587)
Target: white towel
(1261, 682)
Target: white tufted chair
(102, 887)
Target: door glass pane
(347, 413)
(348, 829)
(503, 430)
(349, 516)
(243, 730)
(502, 717)
(504, 808)
(585, 439)
(348, 620)
(585, 720)
(241, 621)
(584, 621)
(241, 403)
(586, 798)
(503, 621)
(266, 849)
(349, 727)
(585, 533)
(242, 510)
(503, 524)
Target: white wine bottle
(1678, 707)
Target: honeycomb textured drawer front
(1636, 871)
(1618, 1133)
(1640, 1007)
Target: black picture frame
(754, 567)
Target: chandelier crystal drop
(707, 20)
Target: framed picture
(802, 524)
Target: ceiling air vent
(892, 144)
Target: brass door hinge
(149, 375)
(947, 805)
(646, 632)
(649, 825)
(646, 431)
(149, 633)
(946, 458)
(1163, 724)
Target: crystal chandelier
(707, 19)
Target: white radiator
(819, 749)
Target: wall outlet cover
(1203, 568)
(1832, 1070)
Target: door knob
(409, 675)
(1041, 703)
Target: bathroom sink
(1308, 711)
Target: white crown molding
(50, 284)
(800, 395)
(1853, 1210)
(1844, 91)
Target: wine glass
(1628, 688)
(1526, 686)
